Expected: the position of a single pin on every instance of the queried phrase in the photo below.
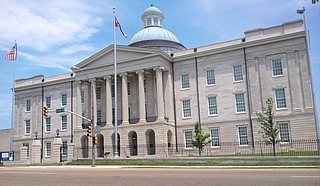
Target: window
(144, 86)
(63, 99)
(26, 145)
(212, 106)
(280, 98)
(188, 139)
(243, 136)
(185, 81)
(82, 119)
(284, 132)
(48, 102)
(277, 67)
(156, 21)
(149, 21)
(237, 73)
(63, 122)
(64, 148)
(98, 93)
(186, 109)
(28, 105)
(210, 78)
(215, 137)
(240, 104)
(155, 84)
(27, 127)
(128, 88)
(98, 117)
(48, 124)
(112, 90)
(113, 115)
(82, 96)
(48, 149)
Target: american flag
(12, 55)
(117, 24)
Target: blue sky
(53, 36)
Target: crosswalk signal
(89, 131)
(45, 111)
(96, 140)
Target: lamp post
(311, 84)
(36, 135)
(57, 133)
(92, 118)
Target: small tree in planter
(200, 139)
(269, 128)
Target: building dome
(153, 35)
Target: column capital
(107, 77)
(158, 68)
(140, 71)
(123, 74)
(92, 80)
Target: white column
(55, 156)
(125, 115)
(160, 103)
(94, 100)
(79, 105)
(142, 107)
(108, 100)
(36, 152)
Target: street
(78, 176)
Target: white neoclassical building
(164, 88)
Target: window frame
(64, 125)
(216, 138)
(82, 96)
(235, 75)
(64, 100)
(273, 65)
(188, 142)
(48, 102)
(185, 86)
(28, 105)
(64, 148)
(215, 106)
(287, 133)
(283, 99)
(211, 78)
(27, 144)
(48, 124)
(185, 111)
(98, 92)
(27, 129)
(237, 104)
(48, 151)
(240, 136)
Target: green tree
(270, 128)
(200, 139)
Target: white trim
(184, 138)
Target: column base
(142, 121)
(161, 120)
(125, 122)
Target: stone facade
(161, 96)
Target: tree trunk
(274, 147)
(199, 151)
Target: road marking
(305, 176)
(38, 173)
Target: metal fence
(292, 148)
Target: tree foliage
(200, 139)
(269, 127)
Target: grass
(207, 163)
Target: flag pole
(116, 154)
(13, 96)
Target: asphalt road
(78, 176)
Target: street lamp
(57, 133)
(36, 135)
(311, 84)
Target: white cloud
(77, 48)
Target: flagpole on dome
(115, 22)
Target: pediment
(106, 56)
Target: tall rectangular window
(98, 92)
(237, 73)
(82, 119)
(48, 149)
(98, 117)
(149, 23)
(243, 136)
(280, 98)
(188, 139)
(63, 122)
(185, 81)
(186, 109)
(277, 67)
(28, 105)
(63, 99)
(240, 103)
(27, 127)
(28, 146)
(113, 115)
(210, 78)
(64, 148)
(128, 88)
(156, 21)
(215, 137)
(212, 106)
(48, 124)
(48, 102)
(112, 90)
(284, 132)
(82, 96)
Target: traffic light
(89, 131)
(45, 111)
(95, 140)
